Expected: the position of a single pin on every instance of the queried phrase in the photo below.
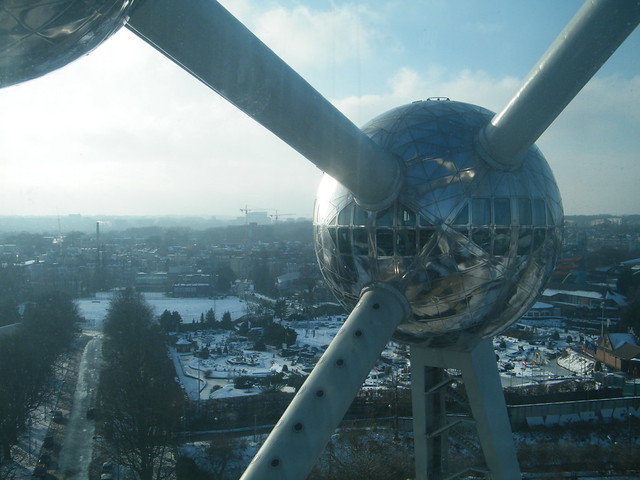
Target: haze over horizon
(125, 132)
(60, 225)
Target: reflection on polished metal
(468, 245)
(37, 37)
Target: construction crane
(278, 215)
(247, 210)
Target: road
(77, 449)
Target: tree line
(140, 403)
(29, 357)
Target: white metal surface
(293, 446)
(586, 43)
(486, 398)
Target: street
(76, 453)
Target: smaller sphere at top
(37, 37)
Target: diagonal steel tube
(209, 43)
(585, 44)
(304, 429)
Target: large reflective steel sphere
(39, 36)
(469, 246)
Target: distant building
(184, 346)
(242, 287)
(287, 282)
(606, 221)
(192, 290)
(620, 351)
(152, 282)
(585, 301)
(542, 310)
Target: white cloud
(317, 38)
(408, 85)
(593, 147)
(127, 131)
(134, 134)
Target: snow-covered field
(238, 359)
(551, 356)
(519, 362)
(94, 309)
(231, 357)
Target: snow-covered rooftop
(550, 292)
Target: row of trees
(11, 293)
(172, 321)
(140, 403)
(29, 358)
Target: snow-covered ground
(94, 309)
(550, 356)
(519, 362)
(231, 357)
(200, 377)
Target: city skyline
(124, 131)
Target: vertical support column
(304, 429)
(435, 399)
(428, 415)
(486, 398)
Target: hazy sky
(124, 131)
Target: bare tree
(9, 471)
(225, 457)
(364, 454)
(140, 402)
(27, 360)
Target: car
(106, 476)
(57, 416)
(107, 467)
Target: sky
(124, 131)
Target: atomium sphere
(39, 36)
(470, 247)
